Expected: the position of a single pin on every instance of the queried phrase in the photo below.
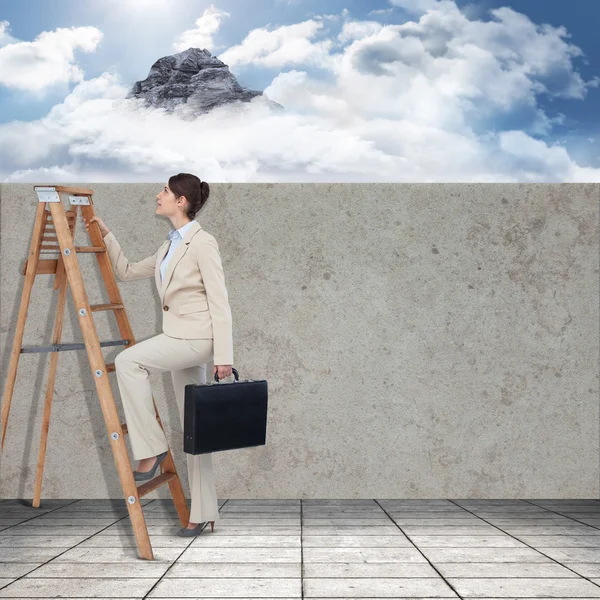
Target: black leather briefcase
(225, 415)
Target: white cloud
(48, 60)
(356, 30)
(202, 35)
(534, 155)
(246, 143)
(285, 45)
(422, 101)
(335, 17)
(5, 37)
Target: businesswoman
(197, 327)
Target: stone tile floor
(305, 549)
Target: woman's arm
(125, 270)
(211, 269)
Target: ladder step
(45, 267)
(151, 485)
(110, 367)
(72, 346)
(68, 213)
(96, 249)
(99, 307)
(80, 249)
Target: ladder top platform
(69, 190)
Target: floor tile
(523, 587)
(78, 588)
(383, 587)
(255, 587)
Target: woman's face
(167, 204)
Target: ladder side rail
(101, 380)
(56, 337)
(32, 264)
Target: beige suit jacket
(193, 295)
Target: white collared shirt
(176, 237)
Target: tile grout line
(521, 541)
(31, 519)
(180, 555)
(301, 553)
(69, 548)
(577, 521)
(419, 550)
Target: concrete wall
(419, 340)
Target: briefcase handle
(235, 374)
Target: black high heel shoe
(186, 532)
(145, 475)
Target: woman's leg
(133, 367)
(199, 466)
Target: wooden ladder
(54, 231)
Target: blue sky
(134, 33)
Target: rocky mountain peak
(193, 77)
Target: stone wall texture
(419, 340)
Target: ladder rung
(46, 266)
(151, 485)
(110, 367)
(50, 222)
(99, 307)
(56, 248)
(74, 346)
(89, 249)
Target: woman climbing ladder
(197, 326)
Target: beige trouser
(186, 359)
